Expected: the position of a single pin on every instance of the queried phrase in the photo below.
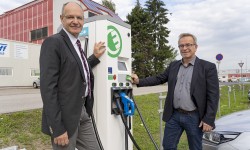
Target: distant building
(23, 29)
(227, 75)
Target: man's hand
(62, 139)
(205, 127)
(135, 79)
(99, 49)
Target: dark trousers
(177, 124)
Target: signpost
(241, 65)
(219, 57)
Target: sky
(221, 26)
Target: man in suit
(67, 84)
(193, 95)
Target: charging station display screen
(122, 66)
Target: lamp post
(241, 65)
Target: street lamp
(241, 65)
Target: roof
(21, 7)
(91, 5)
(97, 8)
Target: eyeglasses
(188, 45)
(71, 18)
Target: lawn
(23, 128)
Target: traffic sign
(219, 57)
(241, 64)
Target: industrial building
(23, 29)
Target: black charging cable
(144, 124)
(96, 132)
(117, 99)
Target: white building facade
(19, 63)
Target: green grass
(148, 106)
(24, 128)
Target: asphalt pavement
(13, 99)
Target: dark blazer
(63, 85)
(204, 89)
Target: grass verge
(24, 128)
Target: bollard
(219, 104)
(229, 90)
(160, 110)
(243, 88)
(234, 96)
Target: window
(122, 66)
(5, 71)
(39, 33)
(34, 72)
(91, 14)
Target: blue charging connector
(129, 106)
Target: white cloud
(123, 7)
(221, 26)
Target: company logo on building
(114, 42)
(3, 48)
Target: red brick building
(34, 21)
(28, 23)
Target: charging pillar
(110, 75)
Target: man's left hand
(205, 127)
(99, 49)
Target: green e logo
(114, 42)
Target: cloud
(7, 5)
(220, 26)
(123, 7)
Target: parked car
(232, 132)
(223, 79)
(233, 79)
(36, 83)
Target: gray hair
(64, 5)
(188, 34)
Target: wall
(21, 57)
(16, 24)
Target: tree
(141, 30)
(109, 4)
(162, 52)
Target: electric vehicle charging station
(111, 78)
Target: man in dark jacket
(67, 84)
(193, 95)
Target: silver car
(232, 132)
(36, 83)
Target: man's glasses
(71, 18)
(188, 45)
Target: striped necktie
(86, 68)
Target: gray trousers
(84, 138)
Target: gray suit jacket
(63, 85)
(204, 88)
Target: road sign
(219, 57)
(241, 64)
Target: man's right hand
(62, 139)
(135, 79)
